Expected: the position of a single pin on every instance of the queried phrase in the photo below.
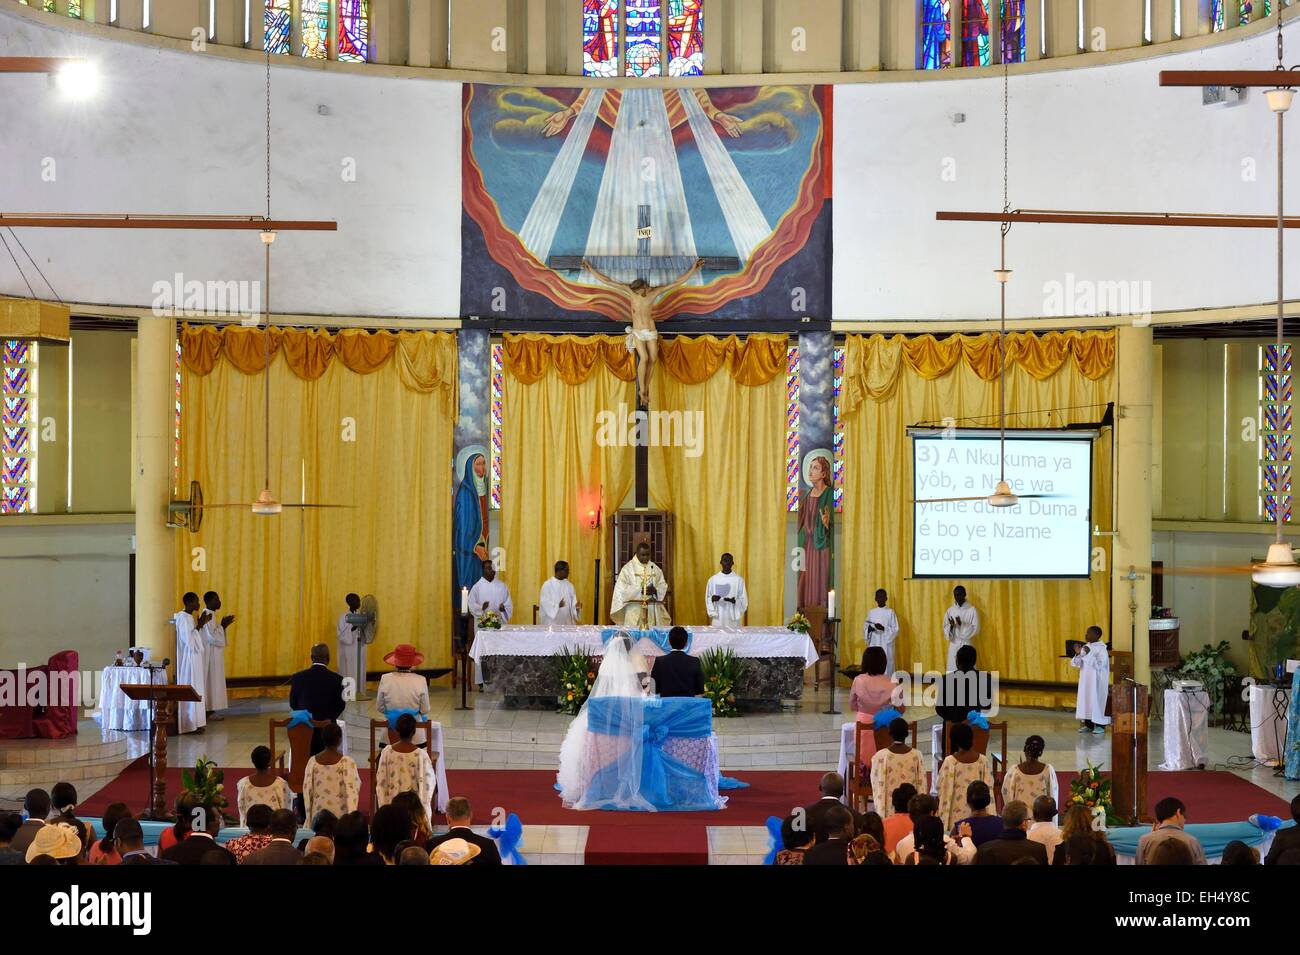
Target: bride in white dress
(584, 753)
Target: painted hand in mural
(730, 124)
(556, 122)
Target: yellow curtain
(892, 383)
(379, 442)
(554, 463)
(726, 493)
(555, 472)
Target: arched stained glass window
(936, 34)
(975, 49)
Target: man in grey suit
(281, 850)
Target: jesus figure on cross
(642, 337)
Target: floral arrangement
(577, 677)
(204, 783)
(1092, 791)
(799, 623)
(488, 620)
(1211, 666)
(722, 671)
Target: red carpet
(680, 837)
(646, 844)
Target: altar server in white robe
(214, 633)
(352, 642)
(191, 662)
(961, 623)
(1093, 663)
(881, 629)
(725, 597)
(558, 605)
(491, 593)
(639, 593)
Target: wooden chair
(857, 781)
(299, 748)
(997, 761)
(426, 725)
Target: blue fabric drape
(299, 718)
(393, 715)
(1214, 836)
(658, 636)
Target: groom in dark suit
(318, 689)
(677, 673)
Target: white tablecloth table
(536, 641)
(116, 712)
(1187, 729)
(1268, 708)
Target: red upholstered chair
(56, 722)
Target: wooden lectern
(161, 697)
(1128, 753)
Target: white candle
(830, 605)
(464, 600)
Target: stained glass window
(1013, 31)
(936, 34)
(354, 31)
(74, 8)
(839, 431)
(792, 428)
(975, 33)
(1216, 15)
(685, 37)
(1275, 400)
(643, 26)
(498, 418)
(176, 448)
(315, 28)
(1248, 8)
(278, 18)
(18, 427)
(600, 37)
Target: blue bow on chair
(774, 841)
(978, 719)
(886, 716)
(393, 716)
(299, 718)
(508, 839)
(1265, 823)
(655, 735)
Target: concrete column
(900, 36)
(1123, 21)
(1132, 546)
(230, 22)
(715, 19)
(1062, 27)
(390, 34)
(155, 559)
(130, 14)
(256, 26)
(1033, 29)
(861, 35)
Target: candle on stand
(830, 605)
(464, 600)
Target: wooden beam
(246, 224)
(36, 64)
(1256, 78)
(1178, 219)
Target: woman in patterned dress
(263, 786)
(894, 766)
(960, 768)
(331, 781)
(1031, 778)
(404, 766)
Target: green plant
(1211, 666)
(204, 783)
(577, 675)
(722, 672)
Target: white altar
(116, 712)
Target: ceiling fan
(1003, 495)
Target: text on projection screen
(1039, 537)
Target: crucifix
(640, 298)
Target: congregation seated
(896, 765)
(796, 840)
(258, 821)
(1031, 777)
(959, 769)
(405, 767)
(835, 833)
(280, 850)
(104, 851)
(831, 788)
(410, 801)
(980, 826)
(128, 840)
(199, 842)
(897, 823)
(1079, 849)
(318, 851)
(323, 824)
(390, 827)
(1171, 816)
(264, 785)
(929, 844)
(1285, 840)
(459, 818)
(330, 781)
(56, 841)
(352, 841)
(316, 858)
(1237, 852)
(1078, 822)
(10, 823)
(1013, 845)
(413, 855)
(178, 830)
(1044, 829)
(920, 807)
(37, 806)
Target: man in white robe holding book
(725, 597)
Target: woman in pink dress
(872, 692)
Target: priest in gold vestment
(639, 593)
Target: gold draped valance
(423, 361)
(755, 360)
(873, 364)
